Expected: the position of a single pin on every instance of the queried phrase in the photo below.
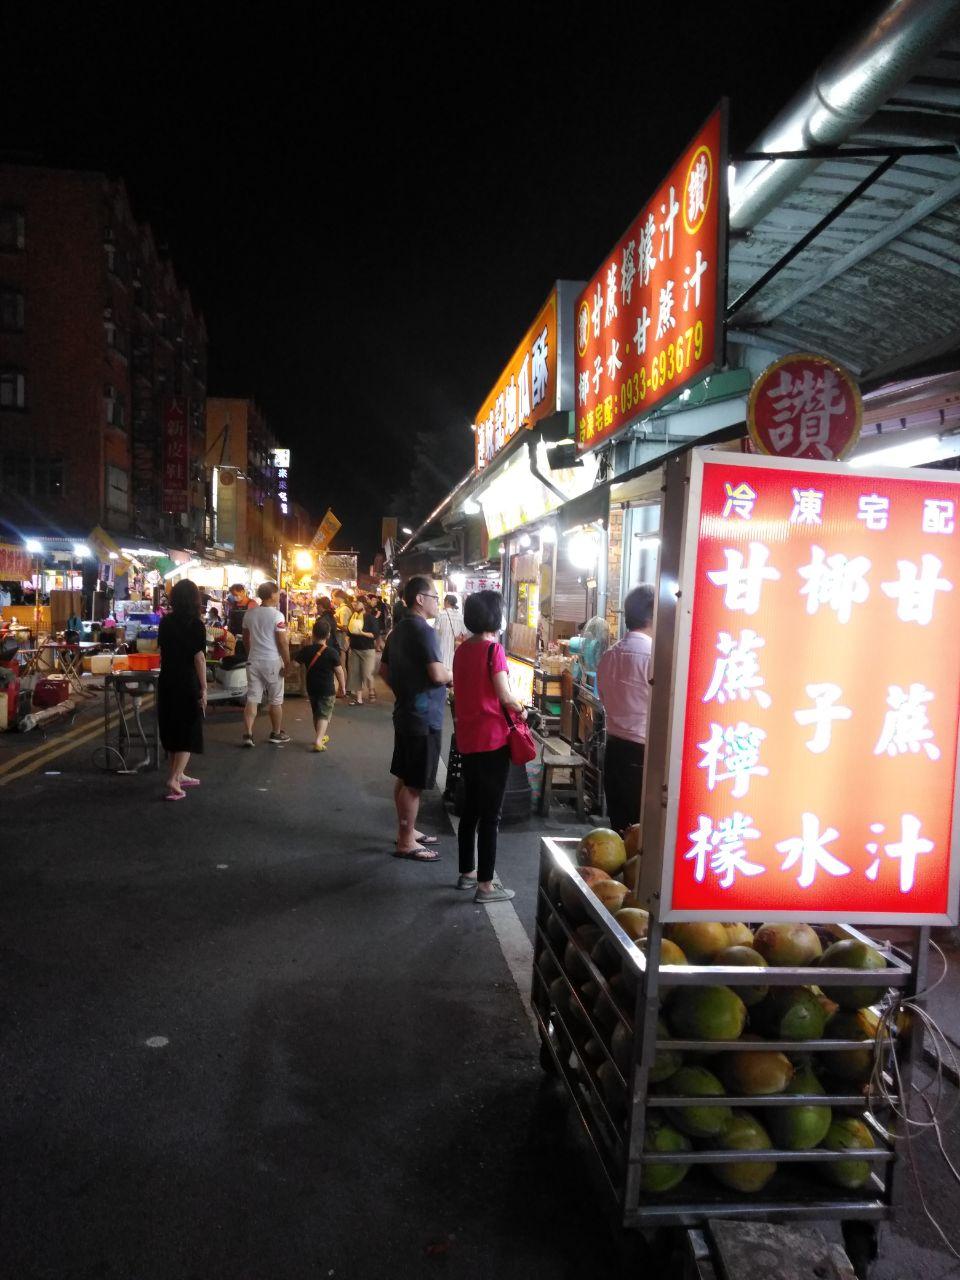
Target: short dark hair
(483, 611)
(323, 602)
(450, 601)
(238, 586)
(266, 590)
(638, 606)
(321, 629)
(418, 585)
(185, 599)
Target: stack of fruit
(752, 1015)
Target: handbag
(521, 742)
(355, 625)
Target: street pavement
(238, 1039)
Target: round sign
(805, 406)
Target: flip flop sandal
(175, 795)
(189, 782)
(417, 855)
(426, 840)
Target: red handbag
(522, 744)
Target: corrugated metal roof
(879, 289)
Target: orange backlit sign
(648, 324)
(813, 757)
(526, 390)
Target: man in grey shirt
(268, 660)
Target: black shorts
(415, 758)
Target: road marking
(157, 1042)
(37, 757)
(21, 756)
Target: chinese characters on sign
(176, 456)
(647, 323)
(327, 530)
(804, 406)
(280, 459)
(525, 391)
(816, 773)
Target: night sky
(370, 206)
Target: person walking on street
(324, 675)
(182, 687)
(411, 667)
(363, 629)
(623, 683)
(451, 629)
(268, 653)
(482, 694)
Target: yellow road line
(39, 756)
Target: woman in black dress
(182, 690)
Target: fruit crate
(603, 1041)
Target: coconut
(787, 946)
(852, 954)
(747, 958)
(698, 939)
(744, 1133)
(848, 1134)
(707, 1013)
(698, 1122)
(792, 1013)
(611, 894)
(739, 935)
(570, 897)
(602, 848)
(663, 1138)
(801, 1128)
(633, 921)
(757, 1072)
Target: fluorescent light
(523, 540)
(470, 508)
(81, 550)
(910, 453)
(114, 556)
(548, 533)
(407, 530)
(33, 545)
(141, 551)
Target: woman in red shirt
(481, 691)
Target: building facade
(246, 519)
(96, 337)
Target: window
(16, 473)
(32, 477)
(47, 477)
(13, 389)
(12, 230)
(118, 484)
(11, 311)
(114, 407)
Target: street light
(407, 530)
(303, 560)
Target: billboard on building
(176, 455)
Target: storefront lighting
(113, 555)
(141, 551)
(303, 560)
(81, 551)
(470, 508)
(33, 545)
(910, 453)
(582, 549)
(407, 530)
(548, 533)
(177, 568)
(458, 581)
(523, 541)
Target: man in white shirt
(623, 682)
(450, 630)
(268, 659)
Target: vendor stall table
(133, 739)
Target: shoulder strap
(315, 657)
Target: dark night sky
(369, 206)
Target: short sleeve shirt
(481, 724)
(321, 682)
(260, 627)
(411, 647)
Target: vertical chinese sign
(526, 390)
(813, 761)
(176, 456)
(649, 322)
(280, 460)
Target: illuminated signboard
(280, 459)
(649, 323)
(521, 680)
(805, 406)
(812, 772)
(175, 496)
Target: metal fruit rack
(613, 1106)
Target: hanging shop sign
(176, 455)
(812, 767)
(649, 322)
(805, 406)
(280, 460)
(327, 530)
(525, 392)
(16, 565)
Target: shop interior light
(81, 550)
(141, 551)
(548, 533)
(583, 548)
(33, 545)
(407, 530)
(459, 581)
(177, 568)
(303, 560)
(523, 541)
(113, 555)
(470, 508)
(910, 453)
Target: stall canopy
(878, 181)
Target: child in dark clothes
(324, 676)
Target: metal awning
(879, 287)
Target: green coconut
(697, 1122)
(743, 1132)
(801, 1128)
(792, 1013)
(852, 954)
(744, 957)
(664, 1139)
(707, 1013)
(847, 1134)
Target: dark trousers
(623, 781)
(484, 782)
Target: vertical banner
(327, 530)
(649, 323)
(812, 769)
(176, 455)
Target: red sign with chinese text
(16, 564)
(818, 699)
(805, 406)
(526, 390)
(176, 456)
(648, 323)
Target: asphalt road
(238, 1039)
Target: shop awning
(587, 508)
(879, 287)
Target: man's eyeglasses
(430, 595)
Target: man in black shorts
(412, 668)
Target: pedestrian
(182, 687)
(451, 629)
(268, 660)
(324, 675)
(341, 612)
(482, 694)
(412, 668)
(623, 683)
(237, 604)
(363, 628)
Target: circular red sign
(805, 406)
